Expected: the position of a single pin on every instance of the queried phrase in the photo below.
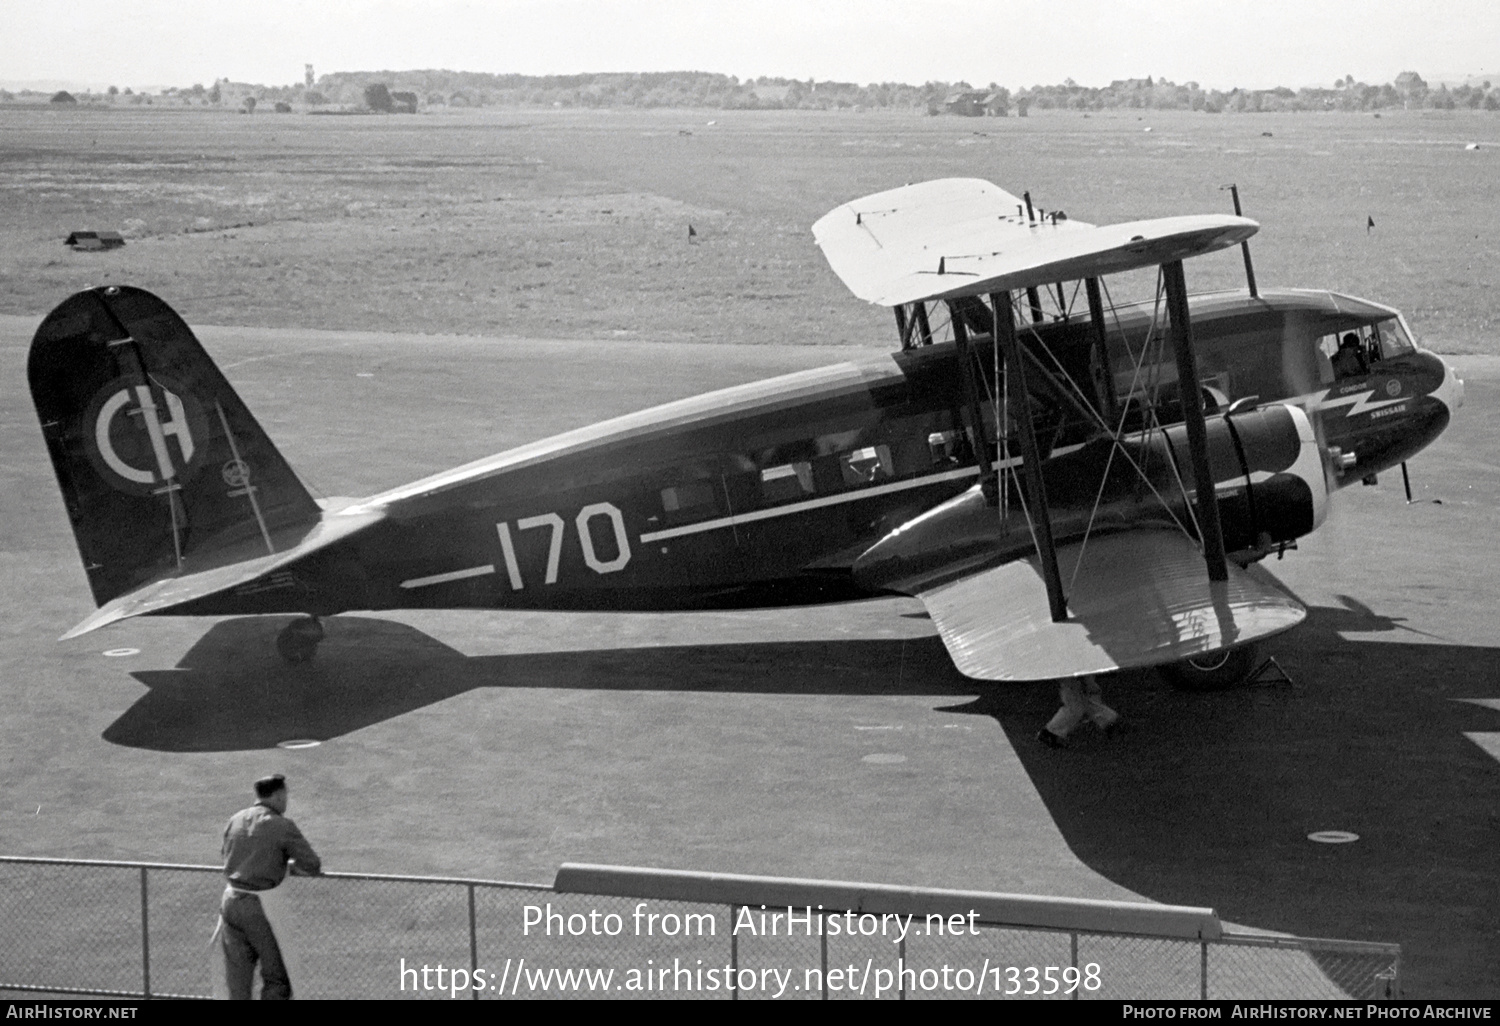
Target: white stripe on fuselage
(797, 507)
(736, 519)
(762, 514)
(455, 575)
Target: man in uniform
(258, 844)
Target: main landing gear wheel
(1212, 672)
(298, 640)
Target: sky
(148, 44)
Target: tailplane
(163, 470)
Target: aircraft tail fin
(162, 468)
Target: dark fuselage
(767, 494)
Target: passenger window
(691, 501)
(786, 483)
(946, 447)
(864, 466)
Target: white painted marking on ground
(1332, 837)
(883, 759)
(293, 745)
(1486, 703)
(1488, 740)
(115, 653)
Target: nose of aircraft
(1451, 391)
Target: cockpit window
(1345, 354)
(1348, 354)
(1390, 339)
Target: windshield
(1351, 353)
(1390, 338)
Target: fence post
(823, 951)
(473, 946)
(1203, 971)
(145, 939)
(734, 953)
(1078, 975)
(901, 965)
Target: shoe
(1050, 739)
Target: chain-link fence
(144, 929)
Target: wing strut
(1192, 416)
(1104, 383)
(983, 455)
(1018, 401)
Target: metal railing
(139, 929)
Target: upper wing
(1141, 599)
(964, 237)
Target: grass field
(503, 744)
(573, 224)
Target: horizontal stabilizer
(1141, 598)
(966, 237)
(221, 571)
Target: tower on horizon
(308, 75)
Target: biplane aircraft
(1028, 464)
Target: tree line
(354, 89)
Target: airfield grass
(574, 224)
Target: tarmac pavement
(836, 742)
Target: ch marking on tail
(144, 435)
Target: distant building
(63, 98)
(997, 104)
(95, 240)
(967, 103)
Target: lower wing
(1141, 598)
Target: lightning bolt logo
(1358, 402)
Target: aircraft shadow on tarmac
(1210, 799)
(230, 692)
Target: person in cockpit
(1349, 361)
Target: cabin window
(868, 465)
(947, 448)
(1276, 358)
(689, 501)
(908, 449)
(786, 482)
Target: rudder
(162, 467)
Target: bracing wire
(1117, 432)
